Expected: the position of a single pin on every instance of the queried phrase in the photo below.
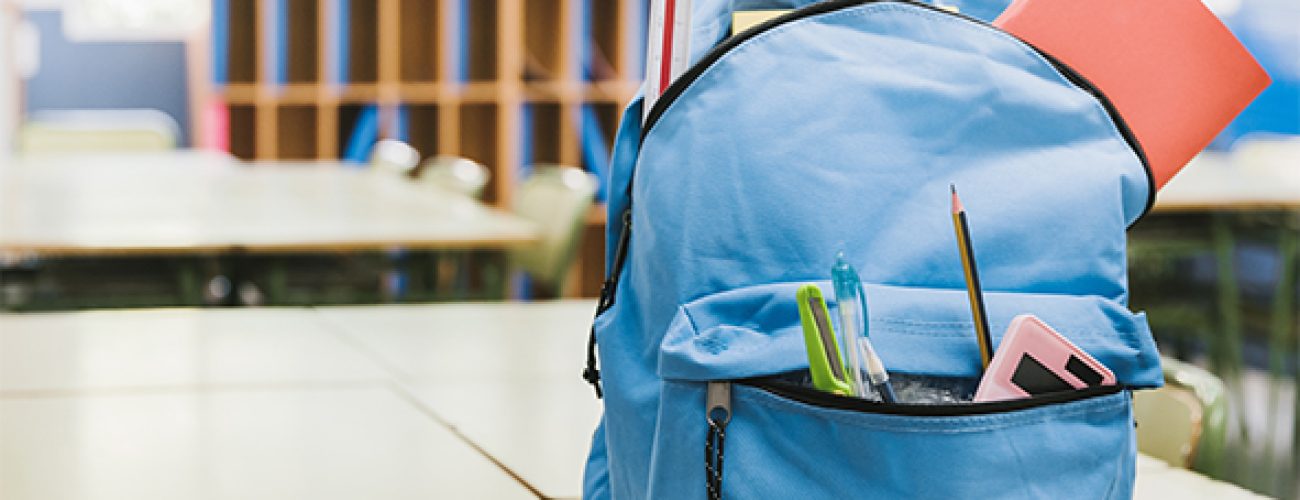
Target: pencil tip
(956, 202)
(953, 187)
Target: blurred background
(241, 153)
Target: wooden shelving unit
(504, 82)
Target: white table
(1247, 180)
(429, 401)
(190, 202)
(218, 404)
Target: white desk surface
(195, 202)
(394, 402)
(1243, 181)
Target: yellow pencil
(976, 295)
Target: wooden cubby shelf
(421, 57)
(362, 31)
(504, 82)
(303, 25)
(242, 42)
(423, 126)
(290, 145)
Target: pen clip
(825, 362)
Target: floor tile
(361, 443)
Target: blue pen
(852, 304)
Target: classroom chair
(455, 174)
(387, 157)
(98, 130)
(394, 156)
(1183, 423)
(81, 131)
(461, 176)
(556, 198)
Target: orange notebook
(1174, 71)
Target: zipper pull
(717, 403)
(608, 288)
(717, 412)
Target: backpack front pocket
(773, 446)
(775, 439)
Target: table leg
(394, 281)
(189, 280)
(232, 267)
(1225, 345)
(277, 283)
(450, 271)
(1292, 230)
(1278, 344)
(489, 265)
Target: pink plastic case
(1034, 359)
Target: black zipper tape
(828, 400)
(1124, 131)
(693, 73)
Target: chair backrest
(1169, 424)
(455, 174)
(1186, 417)
(94, 130)
(556, 198)
(392, 155)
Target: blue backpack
(839, 127)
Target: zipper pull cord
(718, 415)
(713, 459)
(591, 373)
(607, 289)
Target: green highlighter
(824, 359)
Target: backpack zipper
(693, 73)
(824, 399)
